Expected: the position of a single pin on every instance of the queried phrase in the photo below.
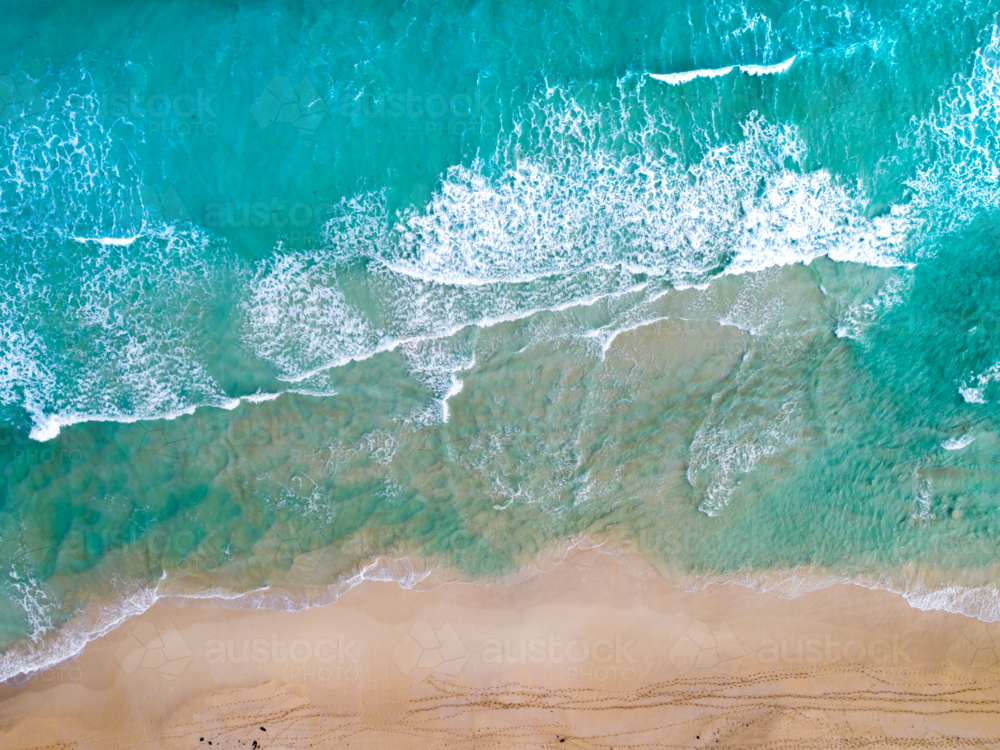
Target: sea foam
(581, 214)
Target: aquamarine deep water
(464, 281)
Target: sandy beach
(598, 652)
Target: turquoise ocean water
(287, 286)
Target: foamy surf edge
(416, 572)
(978, 602)
(27, 658)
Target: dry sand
(596, 653)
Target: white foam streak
(607, 336)
(676, 79)
(973, 390)
(482, 323)
(956, 444)
(260, 398)
(48, 427)
(109, 241)
(455, 388)
(767, 70)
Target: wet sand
(598, 652)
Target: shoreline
(419, 573)
(521, 663)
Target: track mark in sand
(794, 709)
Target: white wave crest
(675, 79)
(741, 208)
(957, 443)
